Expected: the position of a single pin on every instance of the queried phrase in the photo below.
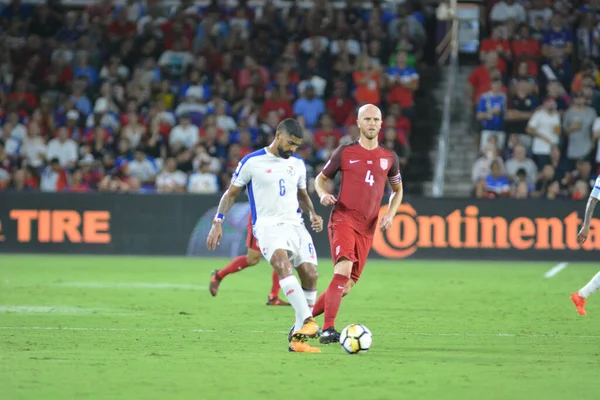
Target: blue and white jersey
(273, 184)
(596, 190)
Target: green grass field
(146, 328)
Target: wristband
(219, 218)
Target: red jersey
(364, 174)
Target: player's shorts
(251, 242)
(346, 243)
(293, 238)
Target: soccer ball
(356, 339)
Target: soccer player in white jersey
(276, 182)
(579, 298)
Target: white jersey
(596, 190)
(273, 184)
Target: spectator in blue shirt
(83, 69)
(309, 106)
(79, 99)
(490, 111)
(494, 185)
(557, 37)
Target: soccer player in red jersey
(239, 263)
(365, 167)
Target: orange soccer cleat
(579, 302)
(310, 329)
(299, 346)
(215, 281)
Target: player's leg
(343, 250)
(274, 299)
(305, 325)
(236, 265)
(305, 262)
(319, 307)
(307, 272)
(239, 263)
(579, 298)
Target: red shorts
(251, 242)
(346, 243)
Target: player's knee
(282, 266)
(252, 258)
(312, 276)
(343, 267)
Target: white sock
(293, 291)
(311, 298)
(591, 287)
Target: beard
(284, 153)
(370, 134)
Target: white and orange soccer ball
(356, 338)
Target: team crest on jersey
(290, 170)
(383, 162)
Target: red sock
(319, 307)
(237, 264)
(275, 286)
(334, 299)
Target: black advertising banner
(99, 223)
(137, 224)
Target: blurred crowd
(137, 97)
(536, 100)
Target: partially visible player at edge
(365, 167)
(276, 184)
(240, 263)
(579, 298)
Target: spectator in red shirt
(480, 81)
(497, 43)
(250, 75)
(121, 28)
(22, 96)
(326, 129)
(340, 106)
(292, 75)
(175, 30)
(246, 144)
(525, 48)
(277, 101)
(403, 81)
(77, 184)
(100, 12)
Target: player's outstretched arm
(395, 201)
(227, 201)
(306, 205)
(589, 212)
(326, 198)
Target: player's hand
(583, 234)
(328, 200)
(386, 221)
(214, 236)
(316, 222)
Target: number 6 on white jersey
(369, 178)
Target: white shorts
(293, 238)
